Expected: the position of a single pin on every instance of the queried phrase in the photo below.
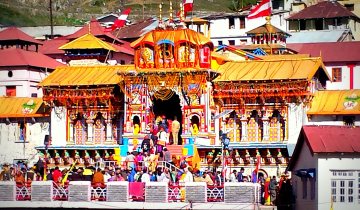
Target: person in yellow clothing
(194, 129)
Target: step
(175, 149)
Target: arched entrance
(168, 108)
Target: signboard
(222, 114)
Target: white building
(326, 168)
(24, 123)
(231, 28)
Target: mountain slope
(76, 12)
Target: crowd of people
(274, 192)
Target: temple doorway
(168, 108)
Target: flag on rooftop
(188, 6)
(261, 10)
(120, 22)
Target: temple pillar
(108, 131)
(243, 128)
(90, 130)
(72, 117)
(266, 129)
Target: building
(24, 125)
(122, 54)
(340, 58)
(231, 29)
(335, 107)
(325, 167)
(325, 15)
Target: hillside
(76, 12)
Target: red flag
(258, 160)
(261, 10)
(188, 6)
(120, 22)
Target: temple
(100, 112)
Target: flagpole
(108, 53)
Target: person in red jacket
(57, 175)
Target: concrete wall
(296, 119)
(219, 28)
(335, 162)
(25, 81)
(330, 120)
(304, 161)
(58, 126)
(345, 80)
(12, 148)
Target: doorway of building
(168, 110)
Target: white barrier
(80, 191)
(196, 192)
(156, 192)
(241, 192)
(41, 191)
(117, 191)
(7, 191)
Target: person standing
(240, 175)
(175, 128)
(272, 188)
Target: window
(10, 90)
(349, 120)
(304, 187)
(242, 22)
(122, 62)
(220, 43)
(34, 95)
(22, 132)
(336, 75)
(231, 23)
(349, 7)
(232, 42)
(344, 186)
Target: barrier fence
(230, 192)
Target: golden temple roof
(260, 70)
(156, 37)
(87, 41)
(335, 102)
(266, 29)
(11, 107)
(86, 75)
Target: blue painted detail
(190, 149)
(259, 51)
(123, 150)
(125, 141)
(165, 41)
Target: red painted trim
(351, 67)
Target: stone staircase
(175, 149)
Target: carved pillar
(108, 130)
(243, 128)
(90, 130)
(265, 128)
(72, 118)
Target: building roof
(281, 69)
(330, 51)
(95, 29)
(85, 75)
(156, 37)
(87, 41)
(15, 34)
(20, 57)
(323, 9)
(51, 46)
(335, 102)
(21, 107)
(266, 29)
(136, 30)
(337, 35)
(327, 139)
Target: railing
(176, 192)
(23, 191)
(215, 193)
